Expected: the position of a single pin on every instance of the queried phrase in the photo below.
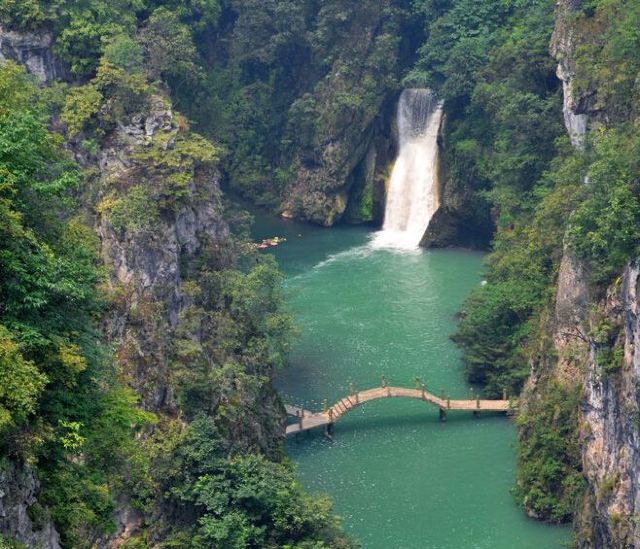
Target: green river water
(399, 477)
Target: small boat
(270, 242)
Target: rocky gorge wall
(144, 257)
(586, 332)
(462, 218)
(611, 443)
(34, 51)
(21, 517)
(152, 193)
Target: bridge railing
(317, 406)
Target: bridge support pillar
(328, 431)
(443, 415)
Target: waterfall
(412, 197)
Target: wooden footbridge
(310, 420)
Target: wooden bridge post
(478, 400)
(383, 381)
(424, 390)
(324, 405)
(330, 416)
(443, 415)
(504, 393)
(448, 402)
(328, 431)
(300, 417)
(388, 391)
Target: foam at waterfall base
(395, 240)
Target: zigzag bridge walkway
(310, 420)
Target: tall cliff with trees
(138, 330)
(557, 318)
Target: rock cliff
(21, 517)
(611, 412)
(33, 50)
(595, 342)
(463, 218)
(144, 256)
(355, 106)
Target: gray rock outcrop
(21, 518)
(33, 50)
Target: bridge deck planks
(312, 420)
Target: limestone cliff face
(174, 217)
(563, 43)
(583, 330)
(611, 412)
(21, 518)
(572, 295)
(145, 258)
(355, 103)
(33, 50)
(352, 163)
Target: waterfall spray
(412, 197)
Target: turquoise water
(399, 477)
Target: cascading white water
(412, 197)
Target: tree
(170, 52)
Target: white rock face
(562, 48)
(611, 453)
(33, 50)
(576, 124)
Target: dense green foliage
(608, 55)
(490, 62)
(89, 29)
(501, 137)
(215, 477)
(60, 404)
(604, 229)
(240, 501)
(549, 459)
